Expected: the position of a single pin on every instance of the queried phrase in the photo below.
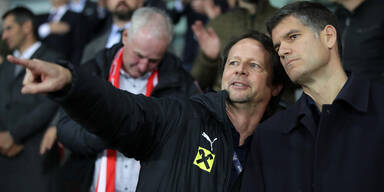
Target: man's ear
(330, 35)
(276, 90)
(27, 26)
(125, 36)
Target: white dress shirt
(27, 54)
(56, 14)
(115, 35)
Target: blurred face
(57, 3)
(142, 53)
(13, 33)
(302, 52)
(123, 9)
(247, 73)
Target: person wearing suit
(63, 30)
(24, 118)
(121, 12)
(93, 12)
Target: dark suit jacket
(26, 117)
(72, 43)
(98, 42)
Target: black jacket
(173, 81)
(71, 44)
(291, 153)
(363, 38)
(165, 134)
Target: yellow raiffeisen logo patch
(204, 159)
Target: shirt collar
(28, 52)
(144, 77)
(354, 93)
(115, 28)
(77, 6)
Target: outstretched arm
(42, 77)
(133, 124)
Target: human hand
(48, 140)
(198, 6)
(42, 76)
(6, 141)
(59, 28)
(208, 40)
(14, 150)
(210, 9)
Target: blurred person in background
(4, 50)
(24, 118)
(195, 10)
(248, 15)
(362, 25)
(93, 12)
(111, 34)
(63, 30)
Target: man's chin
(238, 98)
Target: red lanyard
(114, 79)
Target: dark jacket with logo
(363, 38)
(344, 154)
(165, 134)
(173, 81)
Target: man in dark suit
(93, 12)
(24, 118)
(121, 12)
(63, 30)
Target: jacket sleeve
(133, 124)
(76, 138)
(70, 133)
(35, 121)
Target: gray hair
(155, 19)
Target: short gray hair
(156, 19)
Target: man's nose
(143, 64)
(283, 50)
(241, 69)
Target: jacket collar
(214, 102)
(355, 93)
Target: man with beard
(121, 11)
